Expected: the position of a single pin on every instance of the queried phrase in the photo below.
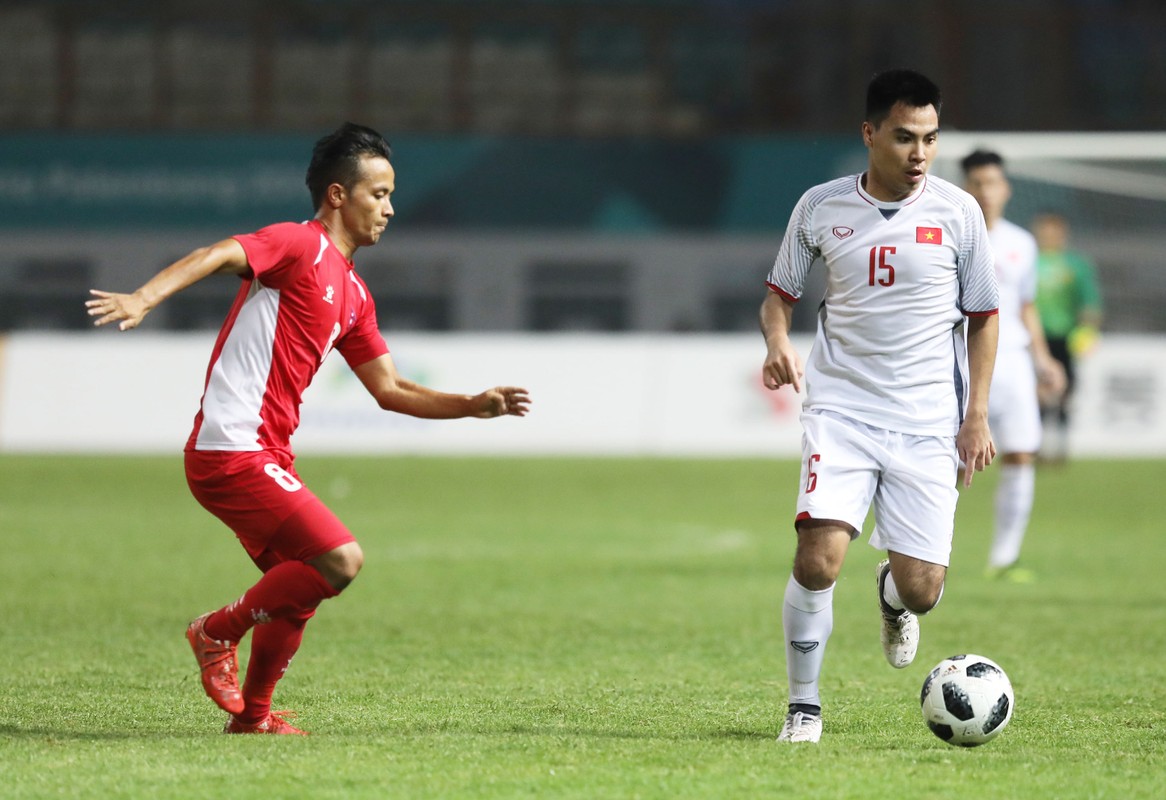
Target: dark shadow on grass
(731, 734)
(59, 734)
(63, 734)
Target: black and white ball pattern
(967, 700)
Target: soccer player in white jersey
(299, 299)
(1022, 358)
(896, 394)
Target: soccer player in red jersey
(300, 298)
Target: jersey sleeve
(276, 252)
(798, 250)
(363, 342)
(975, 267)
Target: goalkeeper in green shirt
(1069, 304)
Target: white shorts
(1013, 408)
(910, 479)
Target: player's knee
(353, 560)
(921, 598)
(820, 553)
(815, 569)
(340, 566)
(813, 576)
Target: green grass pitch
(566, 628)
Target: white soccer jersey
(1013, 409)
(1016, 251)
(900, 278)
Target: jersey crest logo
(328, 294)
(841, 231)
(929, 236)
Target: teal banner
(234, 183)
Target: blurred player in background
(1068, 301)
(891, 407)
(1022, 359)
(300, 298)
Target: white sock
(891, 593)
(1014, 494)
(892, 599)
(807, 618)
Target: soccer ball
(967, 700)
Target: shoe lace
(896, 629)
(213, 651)
(279, 719)
(800, 723)
(226, 658)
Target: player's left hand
(502, 401)
(975, 446)
(1082, 340)
(1051, 379)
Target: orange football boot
(219, 666)
(275, 722)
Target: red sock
(284, 590)
(273, 644)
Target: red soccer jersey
(300, 299)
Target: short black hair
(336, 158)
(899, 85)
(981, 158)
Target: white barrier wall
(593, 394)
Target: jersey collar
(884, 205)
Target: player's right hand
(502, 401)
(782, 367)
(126, 309)
(974, 445)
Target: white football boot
(900, 632)
(801, 727)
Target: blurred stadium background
(590, 193)
(564, 166)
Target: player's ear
(867, 133)
(334, 195)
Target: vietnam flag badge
(929, 236)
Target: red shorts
(261, 498)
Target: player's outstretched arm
(974, 439)
(782, 363)
(394, 393)
(128, 310)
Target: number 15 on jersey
(882, 272)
